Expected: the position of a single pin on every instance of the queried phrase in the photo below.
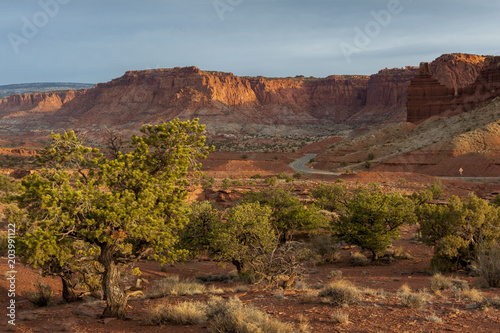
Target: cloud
(97, 40)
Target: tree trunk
(68, 292)
(239, 265)
(374, 256)
(116, 300)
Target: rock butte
(219, 99)
(437, 90)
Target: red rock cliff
(459, 84)
(218, 98)
(37, 102)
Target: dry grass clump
(341, 292)
(304, 324)
(173, 286)
(434, 319)
(440, 282)
(339, 317)
(233, 316)
(185, 313)
(225, 316)
(413, 300)
(470, 294)
(359, 259)
(41, 296)
(309, 296)
(335, 273)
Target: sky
(92, 41)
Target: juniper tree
(125, 209)
(458, 229)
(373, 219)
(288, 213)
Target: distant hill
(29, 88)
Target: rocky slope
(438, 146)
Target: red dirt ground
(381, 312)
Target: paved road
(299, 166)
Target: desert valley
(415, 145)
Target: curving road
(299, 166)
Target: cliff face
(217, 98)
(451, 91)
(226, 102)
(37, 102)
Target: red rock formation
(387, 95)
(37, 102)
(222, 100)
(214, 97)
(428, 97)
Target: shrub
(436, 188)
(288, 213)
(41, 296)
(185, 313)
(199, 232)
(373, 219)
(244, 156)
(341, 292)
(488, 264)
(368, 165)
(237, 182)
(256, 176)
(456, 230)
(271, 181)
(226, 183)
(282, 175)
(371, 156)
(4, 244)
(208, 183)
(246, 235)
(332, 197)
(298, 175)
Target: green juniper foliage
(288, 213)
(246, 234)
(456, 230)
(373, 219)
(120, 210)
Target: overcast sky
(95, 41)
